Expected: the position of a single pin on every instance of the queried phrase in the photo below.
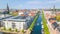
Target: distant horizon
(22, 9)
(30, 8)
(29, 4)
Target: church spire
(54, 8)
(7, 7)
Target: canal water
(37, 28)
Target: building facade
(19, 22)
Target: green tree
(46, 30)
(16, 30)
(34, 21)
(15, 13)
(3, 28)
(23, 30)
(58, 17)
(10, 29)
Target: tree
(23, 30)
(58, 17)
(3, 28)
(15, 13)
(46, 30)
(9, 29)
(16, 30)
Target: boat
(37, 23)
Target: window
(13, 25)
(2, 24)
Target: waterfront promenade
(51, 30)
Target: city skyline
(29, 4)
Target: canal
(37, 28)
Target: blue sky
(29, 4)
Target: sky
(29, 4)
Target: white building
(19, 22)
(2, 16)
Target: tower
(7, 8)
(54, 10)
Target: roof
(5, 17)
(20, 17)
(52, 19)
(17, 18)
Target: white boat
(37, 23)
(42, 31)
(42, 26)
(42, 23)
